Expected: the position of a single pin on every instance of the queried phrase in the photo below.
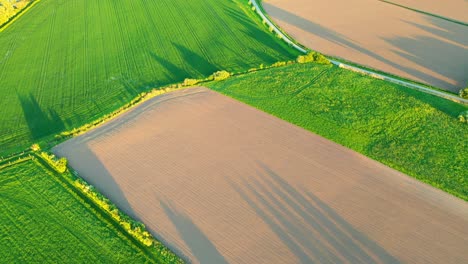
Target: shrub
(35, 147)
(278, 64)
(190, 82)
(319, 58)
(463, 117)
(59, 165)
(221, 75)
(464, 93)
(313, 57)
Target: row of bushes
(136, 229)
(217, 76)
(138, 99)
(60, 165)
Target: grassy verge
(48, 218)
(389, 75)
(413, 132)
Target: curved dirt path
(222, 182)
(406, 51)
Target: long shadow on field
(200, 66)
(40, 122)
(199, 244)
(265, 46)
(174, 72)
(447, 53)
(308, 227)
(431, 62)
(90, 167)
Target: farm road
(381, 36)
(221, 182)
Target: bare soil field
(221, 182)
(454, 9)
(381, 36)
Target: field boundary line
(421, 88)
(82, 197)
(67, 182)
(267, 20)
(426, 13)
(18, 15)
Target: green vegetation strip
(47, 218)
(66, 63)
(427, 13)
(411, 131)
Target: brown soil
(219, 181)
(380, 36)
(454, 9)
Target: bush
(59, 165)
(221, 75)
(190, 82)
(35, 147)
(463, 117)
(464, 93)
(136, 229)
(279, 64)
(313, 57)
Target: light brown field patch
(220, 181)
(381, 36)
(453, 9)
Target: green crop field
(416, 133)
(42, 221)
(67, 62)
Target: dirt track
(219, 181)
(381, 36)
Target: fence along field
(42, 221)
(65, 63)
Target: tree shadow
(262, 38)
(88, 165)
(311, 230)
(412, 46)
(40, 122)
(173, 72)
(445, 54)
(200, 245)
(199, 65)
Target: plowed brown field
(220, 181)
(453, 9)
(382, 36)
